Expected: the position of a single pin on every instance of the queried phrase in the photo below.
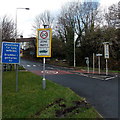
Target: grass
(0, 106)
(31, 101)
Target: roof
(21, 40)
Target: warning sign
(44, 42)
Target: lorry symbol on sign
(43, 34)
(43, 51)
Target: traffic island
(101, 76)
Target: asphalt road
(102, 94)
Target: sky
(25, 18)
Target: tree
(58, 48)
(44, 18)
(113, 30)
(66, 30)
(113, 15)
(80, 18)
(7, 28)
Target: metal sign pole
(106, 67)
(88, 64)
(99, 63)
(1, 72)
(99, 55)
(88, 68)
(44, 80)
(44, 47)
(74, 55)
(93, 63)
(16, 77)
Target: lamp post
(16, 67)
(16, 21)
(75, 37)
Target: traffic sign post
(44, 42)
(99, 55)
(44, 37)
(87, 62)
(93, 63)
(106, 54)
(106, 51)
(11, 55)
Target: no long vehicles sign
(44, 42)
(44, 34)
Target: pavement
(101, 91)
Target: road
(102, 94)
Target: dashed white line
(28, 65)
(50, 68)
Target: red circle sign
(44, 34)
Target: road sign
(98, 55)
(44, 37)
(87, 61)
(44, 34)
(10, 52)
(106, 51)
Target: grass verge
(31, 101)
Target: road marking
(110, 78)
(97, 77)
(83, 74)
(50, 72)
(28, 65)
(50, 68)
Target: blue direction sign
(10, 52)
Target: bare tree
(113, 15)
(79, 18)
(7, 28)
(44, 18)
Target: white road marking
(50, 68)
(96, 77)
(110, 78)
(50, 72)
(28, 65)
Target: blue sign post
(10, 53)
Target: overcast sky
(26, 17)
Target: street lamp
(16, 21)
(16, 67)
